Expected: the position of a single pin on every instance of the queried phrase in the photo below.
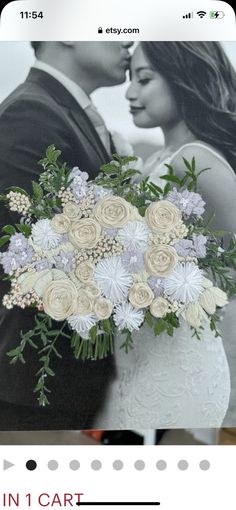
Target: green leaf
(167, 188)
(52, 153)
(107, 326)
(171, 178)
(93, 333)
(49, 371)
(53, 332)
(24, 229)
(13, 352)
(149, 318)
(156, 190)
(4, 240)
(187, 164)
(44, 338)
(170, 330)
(37, 190)
(9, 229)
(18, 190)
(159, 327)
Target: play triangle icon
(7, 464)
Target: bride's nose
(131, 93)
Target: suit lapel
(61, 95)
(84, 123)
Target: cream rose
(85, 233)
(72, 210)
(211, 298)
(141, 295)
(194, 315)
(207, 301)
(85, 271)
(160, 260)
(162, 216)
(61, 224)
(60, 299)
(112, 212)
(220, 296)
(84, 303)
(92, 289)
(159, 307)
(102, 308)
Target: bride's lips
(136, 109)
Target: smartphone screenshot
(117, 254)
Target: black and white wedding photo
(117, 241)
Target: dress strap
(202, 145)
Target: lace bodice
(168, 382)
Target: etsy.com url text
(118, 31)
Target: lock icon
(100, 30)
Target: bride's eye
(144, 81)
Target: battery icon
(217, 14)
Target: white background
(192, 489)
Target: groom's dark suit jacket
(38, 113)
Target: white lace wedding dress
(168, 382)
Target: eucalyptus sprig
(45, 201)
(42, 338)
(117, 175)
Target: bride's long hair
(203, 82)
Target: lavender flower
(189, 202)
(10, 261)
(133, 261)
(156, 284)
(64, 261)
(184, 248)
(43, 264)
(26, 256)
(199, 243)
(18, 243)
(195, 247)
(79, 184)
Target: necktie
(99, 125)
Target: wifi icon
(201, 14)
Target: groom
(53, 106)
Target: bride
(189, 90)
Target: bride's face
(151, 101)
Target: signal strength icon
(201, 14)
(189, 15)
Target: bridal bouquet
(96, 257)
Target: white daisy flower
(185, 283)
(128, 317)
(44, 236)
(134, 236)
(82, 324)
(113, 279)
